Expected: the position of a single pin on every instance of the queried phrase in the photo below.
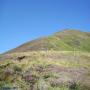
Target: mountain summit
(65, 40)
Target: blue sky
(25, 20)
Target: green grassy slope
(76, 39)
(66, 40)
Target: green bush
(17, 69)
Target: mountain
(57, 62)
(66, 40)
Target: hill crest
(65, 40)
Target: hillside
(66, 40)
(57, 62)
(45, 70)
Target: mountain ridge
(65, 40)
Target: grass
(53, 70)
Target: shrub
(17, 69)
